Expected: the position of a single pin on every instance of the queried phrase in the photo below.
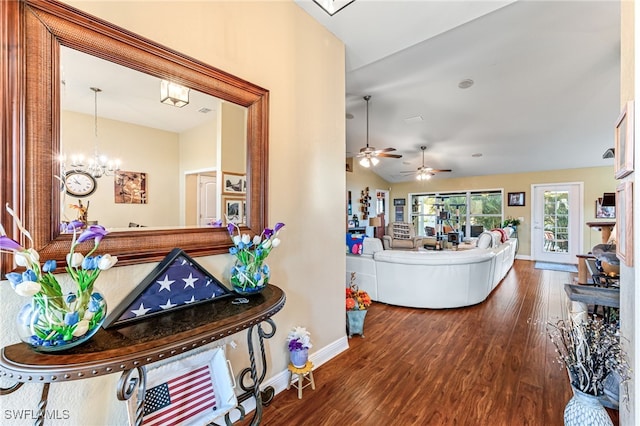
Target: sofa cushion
(485, 240)
(371, 245)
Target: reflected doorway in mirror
(130, 187)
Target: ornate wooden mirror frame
(32, 32)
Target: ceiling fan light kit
(424, 172)
(369, 154)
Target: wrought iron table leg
(262, 397)
(42, 406)
(128, 384)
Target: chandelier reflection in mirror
(98, 165)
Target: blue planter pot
(355, 322)
(299, 357)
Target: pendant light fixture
(173, 94)
(98, 165)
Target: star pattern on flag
(164, 293)
(165, 284)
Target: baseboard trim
(523, 257)
(279, 381)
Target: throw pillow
(354, 243)
(503, 234)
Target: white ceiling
(546, 73)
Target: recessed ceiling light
(477, 154)
(204, 110)
(416, 119)
(466, 83)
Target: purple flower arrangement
(52, 319)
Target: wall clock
(80, 184)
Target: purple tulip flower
(278, 226)
(97, 232)
(8, 244)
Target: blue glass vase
(249, 279)
(57, 323)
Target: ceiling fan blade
(384, 154)
(385, 150)
(408, 172)
(440, 171)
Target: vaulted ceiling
(545, 93)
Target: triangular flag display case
(177, 282)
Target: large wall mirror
(51, 111)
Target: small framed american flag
(176, 283)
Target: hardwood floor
(489, 364)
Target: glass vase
(56, 323)
(251, 278)
(584, 409)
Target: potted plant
(591, 352)
(299, 343)
(357, 301)
(511, 221)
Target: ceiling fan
(369, 155)
(424, 172)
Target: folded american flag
(181, 398)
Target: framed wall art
(515, 199)
(233, 211)
(234, 183)
(624, 222)
(605, 212)
(623, 162)
(130, 187)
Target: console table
(129, 348)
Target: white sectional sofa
(431, 279)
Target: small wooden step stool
(302, 374)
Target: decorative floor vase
(249, 279)
(56, 323)
(355, 322)
(299, 357)
(585, 410)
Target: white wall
(277, 46)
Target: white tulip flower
(81, 328)
(246, 238)
(75, 260)
(276, 242)
(106, 262)
(28, 288)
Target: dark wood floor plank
(490, 363)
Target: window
(469, 212)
